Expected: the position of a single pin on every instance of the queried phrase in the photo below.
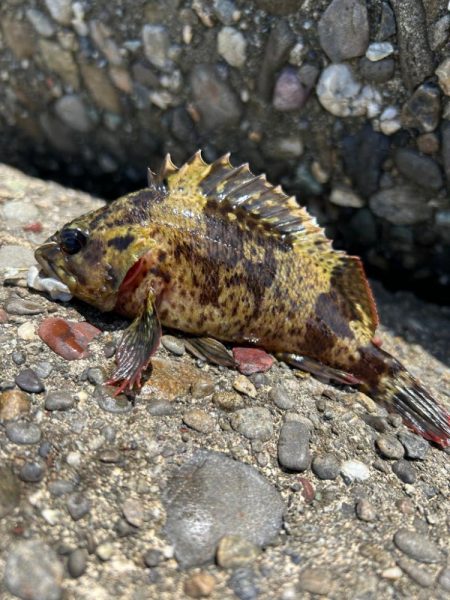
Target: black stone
(363, 155)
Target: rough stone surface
(9, 491)
(247, 506)
(111, 458)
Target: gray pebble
(44, 449)
(109, 350)
(153, 557)
(400, 205)
(156, 45)
(9, 491)
(33, 472)
(253, 423)
(113, 404)
(161, 408)
(316, 581)
(95, 375)
(60, 487)
(415, 447)
(417, 546)
(40, 22)
(73, 112)
(293, 446)
(23, 432)
(389, 446)
(59, 400)
(109, 456)
(77, 562)
(422, 170)
(377, 423)
(444, 579)
(15, 305)
(414, 572)
(365, 511)
(422, 109)
(404, 471)
(327, 466)
(78, 505)
(281, 398)
(109, 433)
(29, 381)
(33, 571)
(243, 584)
(344, 29)
(233, 498)
(43, 369)
(18, 357)
(133, 512)
(215, 100)
(378, 72)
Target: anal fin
(211, 350)
(318, 369)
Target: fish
(224, 256)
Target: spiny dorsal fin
(239, 189)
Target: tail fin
(388, 382)
(420, 411)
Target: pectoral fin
(137, 345)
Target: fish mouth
(47, 257)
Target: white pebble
(354, 470)
(379, 50)
(342, 95)
(27, 331)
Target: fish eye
(72, 240)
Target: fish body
(216, 252)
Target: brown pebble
(201, 389)
(365, 511)
(199, 585)
(13, 404)
(235, 551)
(198, 419)
(228, 400)
(428, 143)
(3, 316)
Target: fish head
(93, 253)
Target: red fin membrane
(422, 413)
(137, 345)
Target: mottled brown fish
(216, 252)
